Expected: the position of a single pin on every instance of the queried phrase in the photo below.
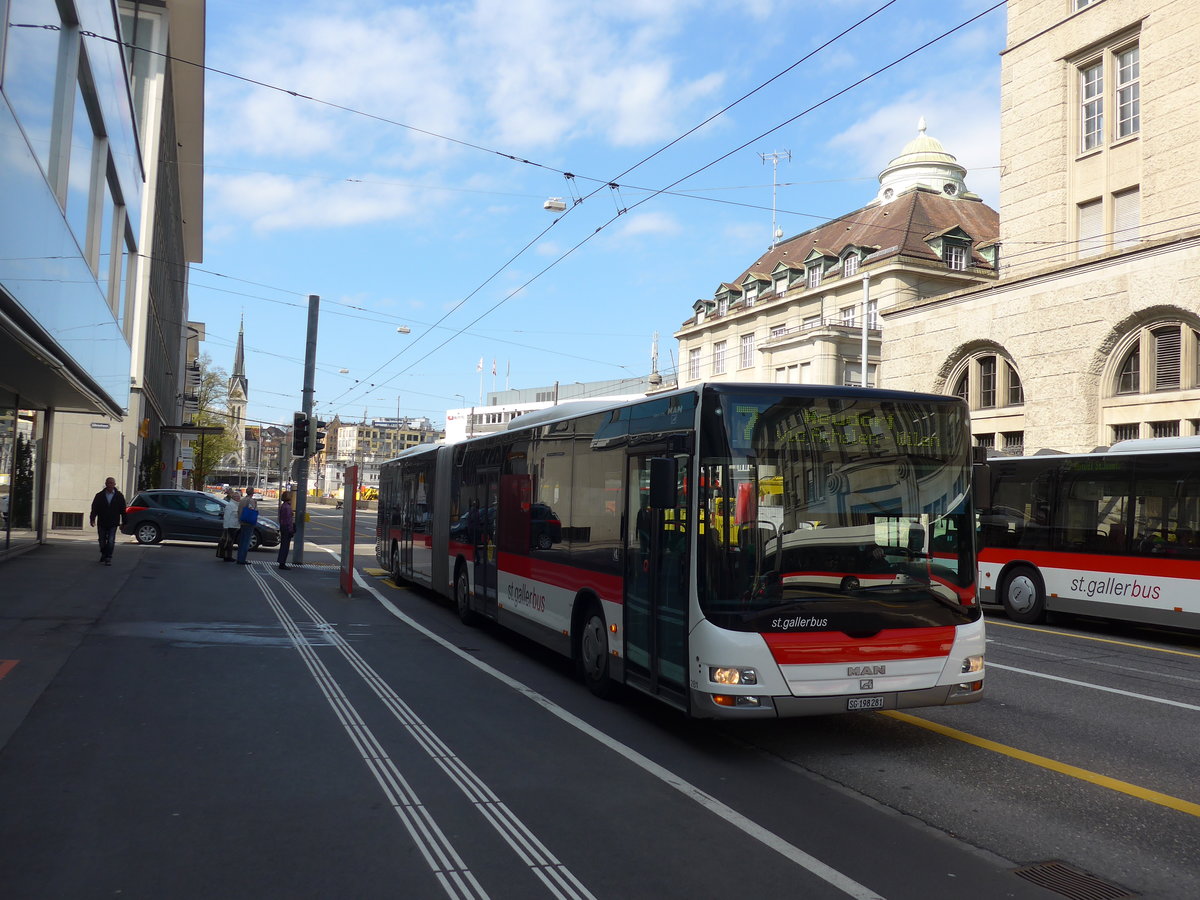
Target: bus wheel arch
(590, 644)
(462, 593)
(394, 558)
(1023, 594)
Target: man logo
(866, 684)
(866, 670)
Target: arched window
(989, 382)
(1153, 383)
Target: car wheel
(254, 540)
(462, 597)
(1023, 595)
(147, 533)
(592, 652)
(850, 583)
(544, 542)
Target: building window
(1091, 228)
(1126, 432)
(1129, 93)
(987, 382)
(1164, 429)
(1127, 214)
(873, 314)
(778, 331)
(723, 306)
(1016, 393)
(985, 440)
(781, 286)
(1091, 101)
(747, 351)
(1013, 441)
(1166, 358)
(848, 316)
(963, 388)
(1081, 4)
(850, 266)
(694, 364)
(719, 358)
(814, 275)
(956, 257)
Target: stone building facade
(807, 311)
(1092, 333)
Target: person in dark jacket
(287, 527)
(247, 528)
(108, 514)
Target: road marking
(1124, 787)
(1090, 637)
(557, 878)
(443, 860)
(1094, 687)
(789, 851)
(7, 665)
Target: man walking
(247, 516)
(108, 514)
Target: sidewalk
(52, 596)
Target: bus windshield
(838, 511)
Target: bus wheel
(1023, 596)
(592, 652)
(462, 597)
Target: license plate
(864, 703)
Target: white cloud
(650, 225)
(967, 122)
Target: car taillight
(130, 510)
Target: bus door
(483, 531)
(656, 576)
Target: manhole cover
(1062, 879)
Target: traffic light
(299, 434)
(317, 437)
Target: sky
(394, 159)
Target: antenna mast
(776, 231)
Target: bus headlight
(726, 675)
(972, 664)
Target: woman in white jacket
(229, 537)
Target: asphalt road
(245, 732)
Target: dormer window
(814, 276)
(723, 306)
(781, 286)
(850, 265)
(956, 257)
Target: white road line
(449, 869)
(810, 863)
(1094, 687)
(557, 878)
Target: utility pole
(310, 370)
(776, 231)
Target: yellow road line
(1124, 787)
(1088, 637)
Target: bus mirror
(664, 476)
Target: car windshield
(850, 511)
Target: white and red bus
(845, 580)
(1111, 534)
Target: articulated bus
(1112, 534)
(842, 576)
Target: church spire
(239, 355)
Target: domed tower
(923, 164)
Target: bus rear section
(1109, 534)
(854, 589)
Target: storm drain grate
(1062, 879)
